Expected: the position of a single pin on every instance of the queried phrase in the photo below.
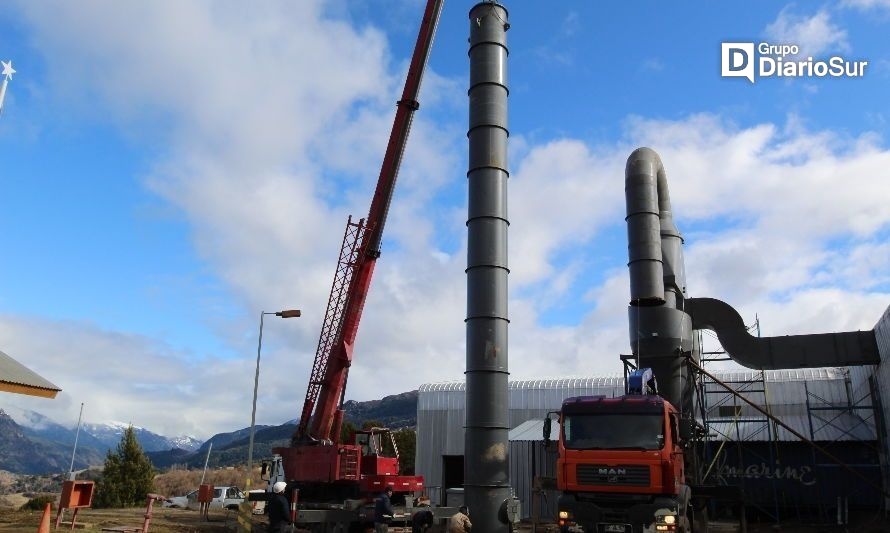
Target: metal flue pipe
(660, 331)
(486, 467)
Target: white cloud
(125, 377)
(814, 35)
(652, 64)
(570, 24)
(867, 4)
(273, 123)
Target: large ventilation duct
(660, 331)
(788, 351)
(662, 319)
(486, 468)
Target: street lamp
(288, 313)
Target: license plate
(614, 528)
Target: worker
(279, 509)
(460, 522)
(423, 517)
(383, 511)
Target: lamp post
(288, 313)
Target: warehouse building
(781, 476)
(778, 472)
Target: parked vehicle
(226, 497)
(621, 463)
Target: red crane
(315, 455)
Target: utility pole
(79, 419)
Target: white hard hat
(279, 487)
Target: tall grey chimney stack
(486, 466)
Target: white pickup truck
(223, 497)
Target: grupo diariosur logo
(738, 60)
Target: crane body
(317, 462)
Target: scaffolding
(726, 419)
(733, 424)
(737, 414)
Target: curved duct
(662, 319)
(788, 351)
(660, 331)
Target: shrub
(38, 503)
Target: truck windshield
(614, 432)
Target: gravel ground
(162, 521)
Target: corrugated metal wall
(529, 459)
(800, 483)
(440, 412)
(882, 373)
(808, 400)
(440, 415)
(877, 379)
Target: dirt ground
(162, 520)
(187, 521)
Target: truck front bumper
(611, 515)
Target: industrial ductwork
(486, 467)
(788, 351)
(662, 319)
(660, 331)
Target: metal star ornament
(8, 71)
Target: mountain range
(31, 443)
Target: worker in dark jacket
(383, 511)
(279, 509)
(423, 517)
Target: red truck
(621, 464)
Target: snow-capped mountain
(110, 434)
(38, 426)
(31, 443)
(100, 436)
(186, 442)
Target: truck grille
(634, 475)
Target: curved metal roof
(534, 384)
(796, 374)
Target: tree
(406, 440)
(128, 475)
(347, 432)
(374, 423)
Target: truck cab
(620, 467)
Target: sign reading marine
(739, 60)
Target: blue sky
(170, 170)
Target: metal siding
(529, 459)
(882, 374)
(440, 409)
(882, 386)
(798, 477)
(831, 427)
(859, 376)
(440, 415)
(533, 430)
